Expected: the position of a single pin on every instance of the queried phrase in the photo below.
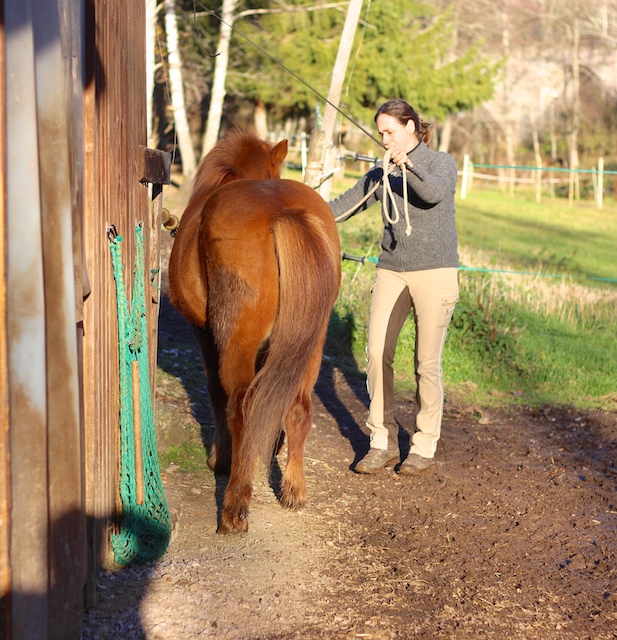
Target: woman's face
(393, 133)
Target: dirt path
(512, 534)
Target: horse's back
(246, 207)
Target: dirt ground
(511, 534)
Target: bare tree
(575, 39)
(217, 95)
(336, 87)
(176, 87)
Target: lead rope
(389, 196)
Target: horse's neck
(206, 181)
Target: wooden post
(154, 169)
(600, 182)
(465, 176)
(314, 165)
(538, 176)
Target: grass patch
(547, 238)
(190, 457)
(514, 338)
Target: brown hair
(404, 112)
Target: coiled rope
(389, 196)
(145, 528)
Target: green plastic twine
(145, 528)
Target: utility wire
(295, 75)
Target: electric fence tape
(373, 260)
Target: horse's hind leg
(297, 426)
(220, 454)
(237, 372)
(234, 515)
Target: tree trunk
(508, 126)
(260, 119)
(217, 95)
(176, 87)
(336, 85)
(446, 133)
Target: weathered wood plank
(25, 338)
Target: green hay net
(145, 528)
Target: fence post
(303, 151)
(465, 176)
(600, 181)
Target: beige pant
(433, 295)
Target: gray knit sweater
(431, 184)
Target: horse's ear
(278, 153)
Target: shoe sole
(412, 470)
(369, 470)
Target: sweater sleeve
(349, 201)
(437, 182)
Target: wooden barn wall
(70, 166)
(43, 553)
(4, 401)
(115, 128)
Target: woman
(417, 269)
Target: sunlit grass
(550, 337)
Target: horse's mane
(239, 155)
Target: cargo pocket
(448, 302)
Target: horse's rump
(272, 237)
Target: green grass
(189, 456)
(514, 338)
(549, 237)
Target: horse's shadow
(175, 336)
(339, 361)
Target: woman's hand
(398, 156)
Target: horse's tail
(307, 249)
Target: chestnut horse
(255, 268)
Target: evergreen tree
(404, 51)
(407, 54)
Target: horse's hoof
(291, 501)
(233, 522)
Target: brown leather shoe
(414, 464)
(377, 459)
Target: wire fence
(544, 178)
